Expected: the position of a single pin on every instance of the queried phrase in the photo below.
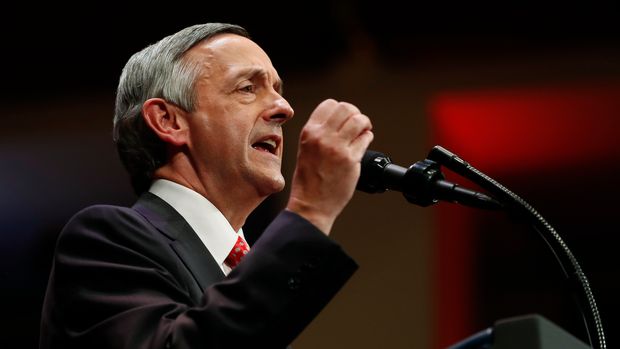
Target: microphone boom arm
(516, 205)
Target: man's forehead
(233, 48)
(234, 54)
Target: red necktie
(234, 257)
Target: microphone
(422, 183)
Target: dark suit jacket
(141, 278)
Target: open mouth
(268, 145)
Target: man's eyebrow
(252, 72)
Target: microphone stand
(516, 205)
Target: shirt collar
(208, 222)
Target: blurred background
(528, 93)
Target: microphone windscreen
(373, 165)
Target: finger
(322, 112)
(355, 125)
(361, 143)
(342, 113)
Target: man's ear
(166, 120)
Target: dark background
(56, 58)
(54, 49)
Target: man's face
(235, 132)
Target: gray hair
(158, 71)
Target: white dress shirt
(208, 222)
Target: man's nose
(281, 111)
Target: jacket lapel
(183, 239)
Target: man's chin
(278, 184)
(272, 185)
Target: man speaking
(198, 126)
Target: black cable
(516, 205)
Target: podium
(522, 332)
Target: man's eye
(247, 88)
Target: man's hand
(331, 146)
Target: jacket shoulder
(109, 224)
